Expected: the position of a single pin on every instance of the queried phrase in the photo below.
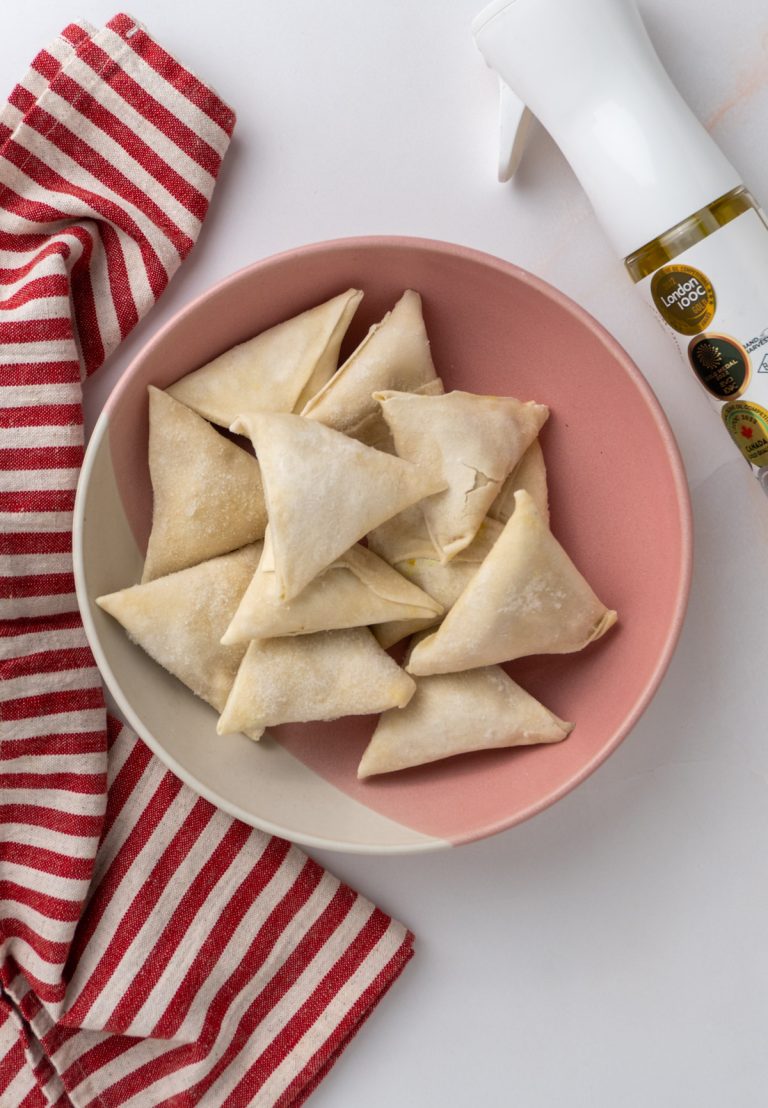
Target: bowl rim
(680, 488)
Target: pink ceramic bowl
(619, 505)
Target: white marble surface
(612, 952)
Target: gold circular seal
(747, 424)
(685, 298)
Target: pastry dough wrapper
(394, 354)
(324, 492)
(474, 441)
(179, 620)
(356, 590)
(456, 713)
(314, 677)
(405, 543)
(277, 371)
(207, 492)
(530, 474)
(526, 598)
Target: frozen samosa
(207, 494)
(405, 543)
(324, 492)
(403, 537)
(456, 713)
(530, 474)
(474, 441)
(314, 677)
(279, 370)
(376, 433)
(179, 620)
(393, 355)
(526, 598)
(356, 590)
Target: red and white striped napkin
(153, 950)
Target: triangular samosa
(314, 677)
(530, 474)
(279, 370)
(179, 620)
(405, 543)
(526, 598)
(324, 492)
(393, 355)
(456, 713)
(207, 494)
(474, 441)
(356, 590)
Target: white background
(613, 952)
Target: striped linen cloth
(153, 951)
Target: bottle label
(748, 426)
(685, 298)
(713, 299)
(721, 364)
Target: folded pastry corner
(456, 713)
(179, 620)
(324, 492)
(474, 441)
(357, 590)
(395, 354)
(314, 677)
(390, 634)
(530, 474)
(207, 492)
(527, 597)
(406, 545)
(278, 371)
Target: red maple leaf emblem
(746, 432)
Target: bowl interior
(618, 501)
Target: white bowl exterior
(313, 798)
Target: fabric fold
(154, 950)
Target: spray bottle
(691, 236)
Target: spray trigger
(514, 124)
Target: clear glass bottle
(676, 241)
(708, 280)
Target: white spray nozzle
(588, 72)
